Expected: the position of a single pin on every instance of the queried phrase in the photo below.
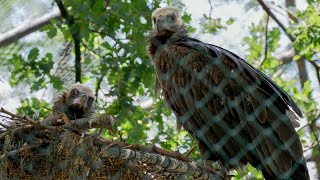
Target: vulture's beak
(166, 22)
(159, 25)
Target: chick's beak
(79, 102)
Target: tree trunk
(303, 76)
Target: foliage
(113, 38)
(214, 25)
(113, 44)
(34, 108)
(308, 32)
(33, 69)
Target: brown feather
(221, 101)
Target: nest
(32, 150)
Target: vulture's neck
(155, 39)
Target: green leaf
(33, 54)
(230, 21)
(186, 18)
(296, 57)
(56, 82)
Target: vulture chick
(75, 102)
(237, 114)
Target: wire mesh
(237, 114)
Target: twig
(268, 11)
(98, 32)
(120, 136)
(211, 8)
(5, 126)
(90, 50)
(4, 116)
(99, 80)
(317, 68)
(311, 147)
(158, 150)
(291, 15)
(191, 150)
(23, 149)
(26, 118)
(265, 43)
(76, 38)
(98, 85)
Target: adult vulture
(237, 114)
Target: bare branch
(191, 150)
(98, 85)
(174, 165)
(27, 28)
(265, 43)
(211, 8)
(317, 68)
(264, 6)
(102, 121)
(286, 57)
(17, 117)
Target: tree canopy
(102, 44)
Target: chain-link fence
(237, 114)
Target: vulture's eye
(154, 20)
(172, 16)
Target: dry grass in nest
(36, 151)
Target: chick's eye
(90, 101)
(74, 92)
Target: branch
(265, 43)
(17, 117)
(291, 15)
(155, 149)
(286, 57)
(102, 121)
(211, 8)
(100, 79)
(268, 11)
(168, 163)
(76, 38)
(317, 68)
(191, 150)
(27, 28)
(98, 85)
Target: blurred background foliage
(111, 36)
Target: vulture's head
(167, 18)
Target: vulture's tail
(300, 172)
